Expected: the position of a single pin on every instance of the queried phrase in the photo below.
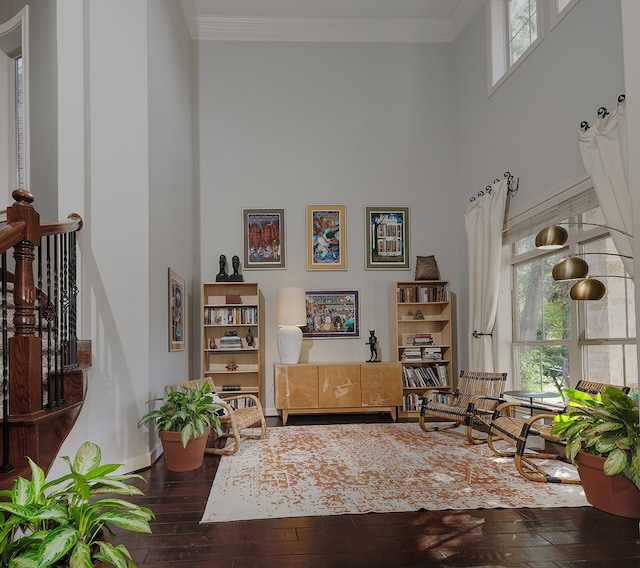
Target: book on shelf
(411, 402)
(245, 315)
(230, 343)
(420, 376)
(421, 354)
(442, 375)
(407, 338)
(422, 294)
(412, 354)
(423, 339)
(432, 353)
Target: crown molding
(324, 30)
(465, 12)
(189, 11)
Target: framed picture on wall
(387, 238)
(263, 238)
(177, 302)
(332, 313)
(326, 237)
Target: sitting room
(332, 213)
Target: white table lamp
(291, 313)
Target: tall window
(514, 30)
(523, 26)
(556, 340)
(559, 9)
(14, 106)
(19, 122)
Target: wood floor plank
(581, 537)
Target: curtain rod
(512, 186)
(602, 112)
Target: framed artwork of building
(387, 238)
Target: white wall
(283, 125)
(529, 126)
(173, 214)
(115, 239)
(137, 195)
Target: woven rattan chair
(471, 405)
(236, 420)
(507, 426)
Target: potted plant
(65, 521)
(603, 440)
(183, 422)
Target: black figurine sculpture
(222, 276)
(373, 346)
(236, 276)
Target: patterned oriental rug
(339, 469)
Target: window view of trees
(523, 26)
(19, 98)
(557, 340)
(543, 325)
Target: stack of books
(230, 342)
(432, 353)
(412, 354)
(422, 339)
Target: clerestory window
(14, 107)
(514, 30)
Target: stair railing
(44, 312)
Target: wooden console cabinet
(324, 388)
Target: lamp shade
(588, 289)
(291, 308)
(291, 312)
(552, 237)
(570, 268)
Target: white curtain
(604, 152)
(484, 221)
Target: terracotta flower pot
(615, 494)
(179, 458)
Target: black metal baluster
(59, 280)
(64, 306)
(49, 316)
(73, 290)
(56, 322)
(39, 325)
(6, 466)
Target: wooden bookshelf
(421, 334)
(230, 310)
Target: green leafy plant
(604, 425)
(65, 522)
(189, 411)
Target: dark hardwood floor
(542, 538)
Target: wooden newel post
(25, 350)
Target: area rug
(300, 471)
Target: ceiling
(329, 20)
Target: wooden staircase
(44, 365)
